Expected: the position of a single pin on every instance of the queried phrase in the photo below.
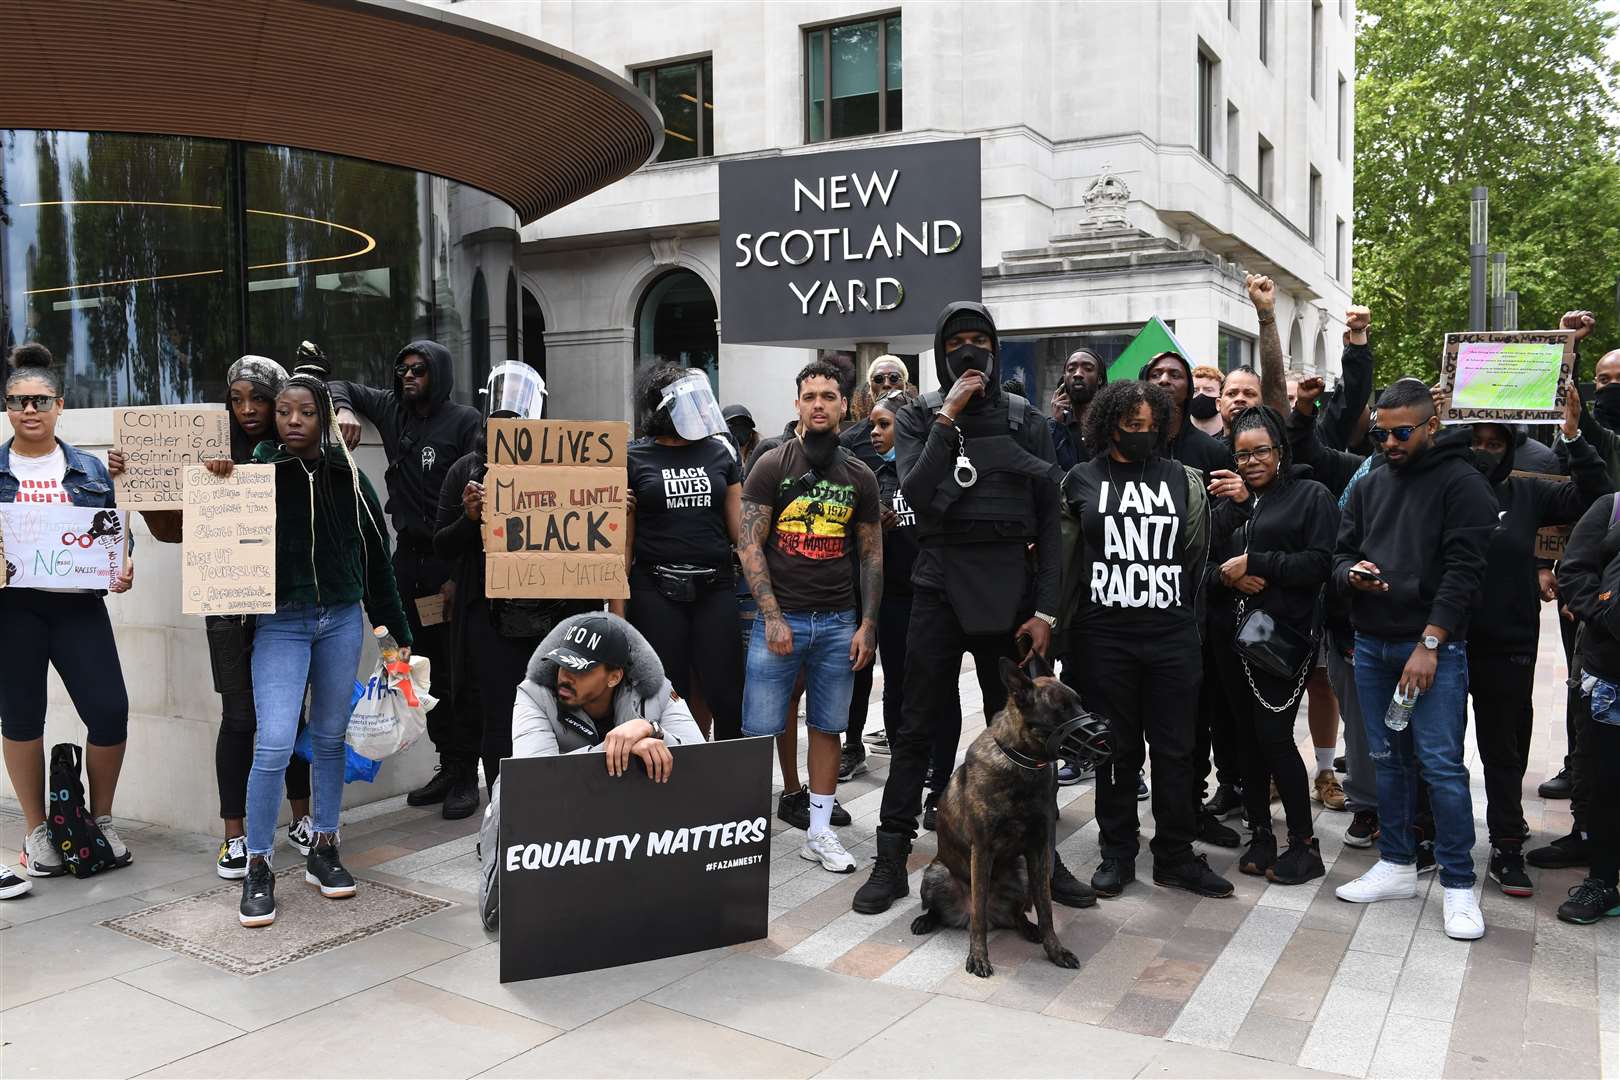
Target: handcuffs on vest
(963, 463)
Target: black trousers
(934, 647)
(1218, 734)
(1146, 685)
(492, 667)
(418, 573)
(894, 624)
(1501, 685)
(860, 697)
(1605, 806)
(1266, 739)
(1577, 718)
(700, 636)
(230, 653)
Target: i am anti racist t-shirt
(681, 502)
(812, 536)
(1133, 521)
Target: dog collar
(1020, 759)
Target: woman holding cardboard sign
(67, 629)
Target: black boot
(1302, 862)
(888, 881)
(462, 799)
(1069, 890)
(435, 789)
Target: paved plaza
(143, 972)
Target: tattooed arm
(1273, 381)
(869, 534)
(756, 530)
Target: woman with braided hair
(331, 557)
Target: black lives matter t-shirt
(1133, 521)
(681, 502)
(813, 535)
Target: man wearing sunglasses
(1411, 554)
(423, 434)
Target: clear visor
(690, 403)
(515, 389)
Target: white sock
(1324, 758)
(820, 813)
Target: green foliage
(1517, 95)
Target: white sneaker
(1464, 920)
(301, 834)
(12, 886)
(823, 847)
(1385, 881)
(877, 741)
(39, 856)
(115, 842)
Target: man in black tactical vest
(977, 466)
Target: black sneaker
(888, 881)
(1261, 855)
(1363, 829)
(1507, 870)
(1302, 862)
(1142, 792)
(1425, 857)
(12, 886)
(852, 762)
(258, 895)
(1571, 850)
(231, 864)
(322, 868)
(794, 808)
(1211, 831)
(1069, 890)
(435, 789)
(1112, 876)
(1226, 802)
(930, 810)
(1070, 774)
(462, 799)
(1588, 902)
(1338, 764)
(1557, 786)
(1194, 875)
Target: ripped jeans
(1431, 745)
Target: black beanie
(968, 321)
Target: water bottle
(386, 645)
(1400, 709)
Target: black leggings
(492, 668)
(1266, 742)
(695, 636)
(230, 647)
(1605, 805)
(70, 632)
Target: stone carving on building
(1105, 199)
(666, 251)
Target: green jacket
(331, 547)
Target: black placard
(680, 887)
(868, 244)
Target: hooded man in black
(1188, 445)
(423, 433)
(976, 465)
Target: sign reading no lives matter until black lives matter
(850, 245)
(598, 871)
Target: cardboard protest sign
(1550, 539)
(60, 546)
(1506, 376)
(555, 504)
(157, 443)
(597, 871)
(228, 550)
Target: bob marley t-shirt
(1132, 518)
(812, 535)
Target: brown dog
(995, 827)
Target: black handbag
(73, 830)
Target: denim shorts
(821, 650)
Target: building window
(1233, 350)
(1343, 115)
(1038, 359)
(675, 325)
(534, 333)
(1341, 269)
(1207, 66)
(684, 94)
(1265, 31)
(1265, 175)
(1231, 12)
(1316, 208)
(1231, 138)
(852, 79)
(1316, 50)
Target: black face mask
(1486, 461)
(965, 358)
(1136, 445)
(1606, 405)
(821, 447)
(1203, 406)
(1079, 391)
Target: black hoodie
(1589, 583)
(1426, 526)
(1188, 444)
(1288, 531)
(420, 449)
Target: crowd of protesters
(1199, 553)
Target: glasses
(42, 403)
(418, 370)
(1259, 453)
(887, 378)
(1379, 435)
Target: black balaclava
(966, 318)
(821, 447)
(1606, 406)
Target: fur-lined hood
(645, 675)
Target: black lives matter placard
(851, 245)
(598, 871)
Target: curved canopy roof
(399, 83)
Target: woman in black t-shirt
(688, 510)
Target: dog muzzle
(1085, 739)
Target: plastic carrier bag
(355, 767)
(391, 713)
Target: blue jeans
(821, 649)
(301, 644)
(1431, 744)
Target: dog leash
(1020, 759)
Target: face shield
(690, 403)
(515, 390)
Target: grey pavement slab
(68, 951)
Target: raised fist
(1357, 319)
(1262, 291)
(1581, 322)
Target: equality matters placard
(58, 546)
(1519, 376)
(228, 550)
(597, 871)
(158, 442)
(555, 509)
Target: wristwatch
(657, 730)
(1431, 642)
(1049, 620)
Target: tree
(1517, 95)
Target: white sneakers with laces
(115, 842)
(1464, 920)
(39, 856)
(825, 848)
(1385, 881)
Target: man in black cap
(977, 467)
